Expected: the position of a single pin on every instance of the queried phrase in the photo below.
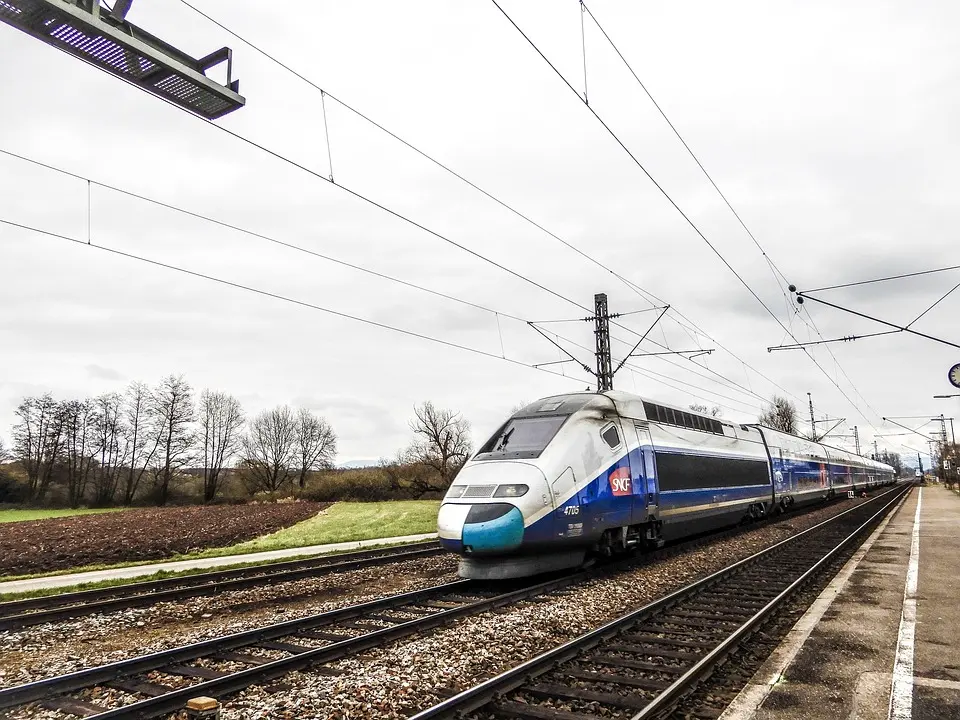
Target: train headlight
(510, 490)
(456, 491)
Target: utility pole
(876, 453)
(919, 463)
(856, 438)
(602, 331)
(813, 422)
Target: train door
(646, 497)
(568, 520)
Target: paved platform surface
(15, 586)
(882, 642)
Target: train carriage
(799, 468)
(602, 473)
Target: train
(573, 477)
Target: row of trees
(145, 443)
(101, 450)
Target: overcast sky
(831, 127)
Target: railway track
(641, 665)
(160, 683)
(18, 614)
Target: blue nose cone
(498, 534)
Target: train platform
(882, 642)
(134, 571)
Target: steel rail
(669, 697)
(516, 678)
(169, 702)
(17, 614)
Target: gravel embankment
(56, 648)
(412, 674)
(397, 681)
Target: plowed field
(140, 534)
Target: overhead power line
(670, 199)
(254, 234)
(648, 373)
(886, 279)
(307, 251)
(338, 313)
(275, 296)
(773, 266)
(642, 167)
(632, 286)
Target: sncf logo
(620, 481)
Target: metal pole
(813, 422)
(604, 363)
(856, 438)
(876, 453)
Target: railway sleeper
(615, 661)
(551, 691)
(678, 642)
(512, 709)
(652, 651)
(643, 683)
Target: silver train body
(601, 473)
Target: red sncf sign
(620, 481)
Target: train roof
(630, 405)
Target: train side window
(610, 436)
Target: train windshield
(521, 438)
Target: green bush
(363, 485)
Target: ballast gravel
(51, 649)
(410, 675)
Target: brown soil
(141, 534)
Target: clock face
(954, 375)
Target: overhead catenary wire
(632, 286)
(254, 234)
(886, 279)
(261, 236)
(642, 167)
(773, 266)
(672, 202)
(267, 293)
(313, 306)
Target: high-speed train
(576, 475)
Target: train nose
(490, 527)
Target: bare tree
(79, 450)
(113, 449)
(715, 411)
(38, 441)
(141, 444)
(316, 444)
(780, 415)
(221, 419)
(5, 455)
(270, 448)
(173, 416)
(441, 443)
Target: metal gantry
(103, 37)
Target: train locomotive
(570, 477)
